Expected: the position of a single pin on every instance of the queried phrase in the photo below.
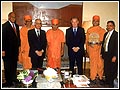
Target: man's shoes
(107, 83)
(102, 82)
(7, 84)
(15, 82)
(92, 82)
(111, 86)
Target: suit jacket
(10, 42)
(75, 41)
(35, 43)
(112, 45)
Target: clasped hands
(75, 49)
(39, 53)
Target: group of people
(30, 45)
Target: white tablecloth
(42, 82)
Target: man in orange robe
(94, 38)
(24, 59)
(55, 45)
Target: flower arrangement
(27, 75)
(50, 73)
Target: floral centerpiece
(27, 76)
(50, 73)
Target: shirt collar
(75, 28)
(36, 30)
(11, 23)
(111, 31)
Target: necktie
(105, 42)
(13, 26)
(38, 33)
(75, 32)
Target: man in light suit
(10, 49)
(109, 53)
(37, 42)
(75, 42)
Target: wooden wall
(63, 14)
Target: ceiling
(54, 4)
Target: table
(60, 82)
(42, 82)
(77, 81)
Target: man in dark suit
(75, 41)
(109, 53)
(37, 42)
(10, 49)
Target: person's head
(55, 24)
(74, 22)
(28, 20)
(38, 23)
(96, 20)
(11, 17)
(110, 25)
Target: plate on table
(27, 83)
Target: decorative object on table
(27, 76)
(67, 74)
(50, 73)
(80, 80)
(42, 82)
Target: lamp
(86, 25)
